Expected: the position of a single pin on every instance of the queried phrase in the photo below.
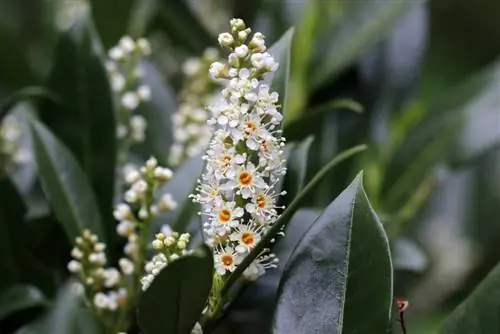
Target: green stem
(139, 263)
(287, 215)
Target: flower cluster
(124, 73)
(11, 152)
(245, 157)
(109, 291)
(169, 247)
(142, 184)
(103, 287)
(191, 131)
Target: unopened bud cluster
(12, 153)
(125, 73)
(168, 248)
(190, 129)
(103, 287)
(140, 204)
(245, 158)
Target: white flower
(116, 53)
(74, 266)
(247, 236)
(101, 301)
(122, 212)
(215, 69)
(77, 253)
(191, 66)
(127, 44)
(237, 24)
(226, 39)
(241, 51)
(111, 277)
(97, 258)
(130, 100)
(226, 259)
(144, 46)
(126, 266)
(132, 176)
(144, 93)
(117, 82)
(163, 174)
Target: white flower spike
(245, 158)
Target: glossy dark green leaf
(285, 217)
(85, 121)
(252, 310)
(158, 114)
(180, 186)
(111, 30)
(20, 297)
(478, 314)
(358, 26)
(174, 301)
(12, 211)
(65, 184)
(177, 21)
(341, 268)
(279, 80)
(24, 94)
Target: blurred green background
(427, 75)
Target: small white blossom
(122, 212)
(144, 93)
(116, 53)
(101, 301)
(130, 100)
(226, 39)
(74, 266)
(126, 266)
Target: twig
(402, 305)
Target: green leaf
(409, 256)
(480, 133)
(158, 114)
(297, 168)
(358, 26)
(65, 184)
(24, 94)
(85, 122)
(111, 30)
(176, 20)
(340, 269)
(278, 81)
(12, 213)
(288, 213)
(180, 186)
(18, 298)
(68, 314)
(174, 301)
(252, 309)
(478, 314)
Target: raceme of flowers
(110, 291)
(245, 159)
(124, 73)
(12, 153)
(190, 129)
(169, 246)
